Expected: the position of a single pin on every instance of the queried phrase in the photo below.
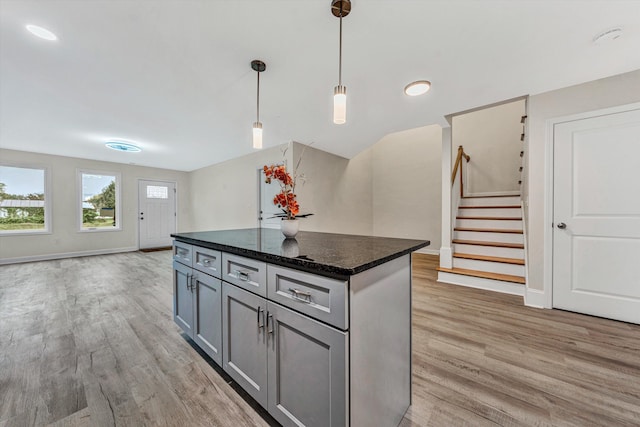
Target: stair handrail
(461, 154)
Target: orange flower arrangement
(286, 199)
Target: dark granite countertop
(327, 254)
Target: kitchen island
(317, 329)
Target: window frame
(79, 197)
(48, 226)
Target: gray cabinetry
(290, 364)
(197, 299)
(207, 325)
(182, 297)
(244, 339)
(246, 273)
(319, 297)
(307, 365)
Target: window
(157, 192)
(24, 204)
(99, 200)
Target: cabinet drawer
(208, 261)
(182, 252)
(245, 273)
(316, 296)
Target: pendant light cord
(258, 100)
(340, 54)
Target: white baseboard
(47, 257)
(428, 251)
(481, 283)
(535, 298)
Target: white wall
(609, 92)
(65, 237)
(224, 196)
(392, 189)
(337, 191)
(491, 136)
(407, 185)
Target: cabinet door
(207, 328)
(245, 350)
(307, 365)
(182, 297)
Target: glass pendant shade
(340, 105)
(257, 135)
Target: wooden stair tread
(485, 197)
(490, 207)
(484, 243)
(484, 275)
(492, 218)
(516, 261)
(488, 230)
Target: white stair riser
(488, 251)
(490, 223)
(481, 283)
(491, 201)
(508, 212)
(488, 236)
(490, 266)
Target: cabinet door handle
(270, 329)
(193, 276)
(189, 281)
(260, 325)
(242, 275)
(300, 295)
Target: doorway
(267, 210)
(156, 213)
(596, 214)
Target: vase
(289, 227)
(290, 248)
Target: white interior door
(596, 216)
(267, 208)
(157, 213)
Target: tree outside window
(23, 206)
(99, 198)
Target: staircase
(488, 245)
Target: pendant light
(340, 9)
(258, 66)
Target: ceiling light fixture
(123, 146)
(416, 88)
(257, 66)
(340, 9)
(43, 33)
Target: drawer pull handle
(242, 275)
(300, 295)
(206, 261)
(260, 325)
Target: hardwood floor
(91, 341)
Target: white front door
(156, 213)
(267, 208)
(596, 215)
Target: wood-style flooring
(91, 342)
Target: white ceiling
(174, 76)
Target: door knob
(562, 226)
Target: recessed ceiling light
(417, 88)
(123, 146)
(43, 33)
(608, 35)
